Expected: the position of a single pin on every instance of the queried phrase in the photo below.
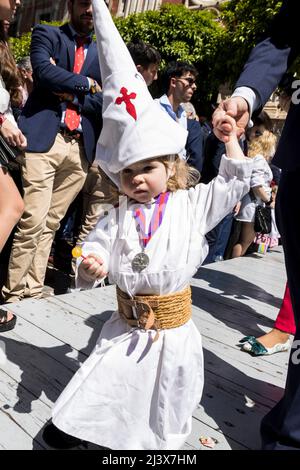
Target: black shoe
(58, 439)
(6, 325)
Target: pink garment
(285, 319)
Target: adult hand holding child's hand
(235, 107)
(91, 268)
(229, 126)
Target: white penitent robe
(132, 393)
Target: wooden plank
(13, 403)
(32, 378)
(225, 310)
(35, 370)
(261, 371)
(202, 429)
(265, 272)
(90, 301)
(233, 284)
(224, 408)
(68, 325)
(56, 349)
(13, 437)
(226, 335)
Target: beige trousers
(99, 194)
(51, 182)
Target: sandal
(247, 339)
(255, 348)
(6, 325)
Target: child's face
(144, 180)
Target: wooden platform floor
(230, 299)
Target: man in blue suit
(61, 121)
(179, 82)
(266, 66)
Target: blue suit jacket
(194, 144)
(266, 65)
(41, 117)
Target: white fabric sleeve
(10, 117)
(5, 107)
(99, 242)
(90, 82)
(258, 173)
(250, 96)
(4, 98)
(213, 201)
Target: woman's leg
(274, 336)
(285, 320)
(11, 209)
(11, 206)
(246, 238)
(284, 324)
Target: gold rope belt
(157, 312)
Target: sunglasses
(191, 81)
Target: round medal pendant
(140, 262)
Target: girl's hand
(233, 149)
(91, 268)
(229, 125)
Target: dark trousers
(281, 426)
(217, 238)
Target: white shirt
(250, 96)
(180, 116)
(5, 107)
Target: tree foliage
(180, 34)
(246, 22)
(20, 46)
(218, 45)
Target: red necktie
(72, 117)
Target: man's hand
(95, 87)
(236, 208)
(64, 96)
(13, 135)
(237, 108)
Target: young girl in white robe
(142, 382)
(139, 387)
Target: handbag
(263, 219)
(8, 155)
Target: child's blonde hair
(264, 145)
(184, 177)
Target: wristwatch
(93, 88)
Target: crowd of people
(100, 161)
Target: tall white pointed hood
(134, 125)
